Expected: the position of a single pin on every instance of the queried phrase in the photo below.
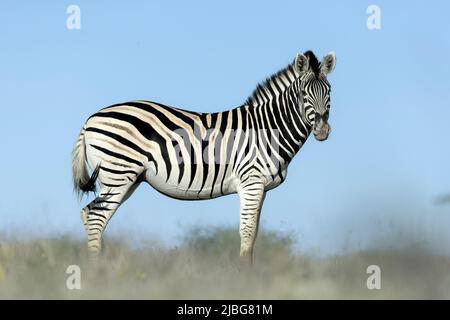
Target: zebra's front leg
(251, 194)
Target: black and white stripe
(189, 155)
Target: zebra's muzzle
(322, 132)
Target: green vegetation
(207, 266)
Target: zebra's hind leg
(84, 216)
(96, 215)
(251, 194)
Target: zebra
(193, 156)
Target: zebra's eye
(317, 115)
(326, 115)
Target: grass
(206, 266)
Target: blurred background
(380, 180)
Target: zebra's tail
(82, 183)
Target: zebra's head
(315, 91)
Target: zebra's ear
(301, 63)
(328, 63)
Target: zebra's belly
(185, 190)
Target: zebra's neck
(277, 105)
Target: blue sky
(374, 181)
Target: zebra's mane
(314, 64)
(288, 73)
(263, 90)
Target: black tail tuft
(89, 186)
